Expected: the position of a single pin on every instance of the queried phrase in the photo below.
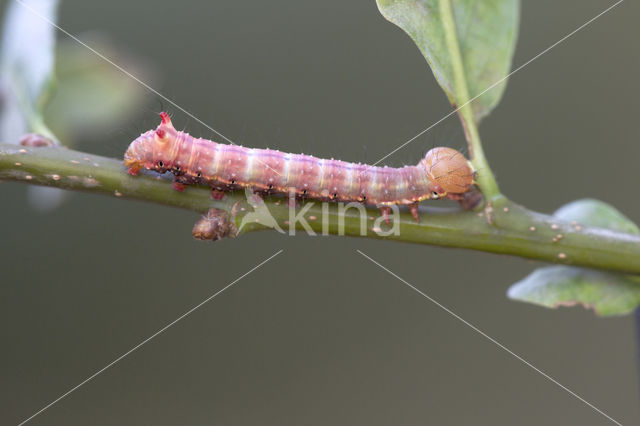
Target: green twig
(486, 180)
(515, 230)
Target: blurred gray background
(320, 335)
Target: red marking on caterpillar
(165, 118)
(443, 173)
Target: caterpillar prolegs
(443, 173)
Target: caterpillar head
(149, 149)
(448, 170)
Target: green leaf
(91, 93)
(479, 34)
(596, 213)
(26, 67)
(606, 293)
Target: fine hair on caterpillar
(442, 173)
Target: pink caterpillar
(443, 173)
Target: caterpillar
(442, 173)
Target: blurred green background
(320, 335)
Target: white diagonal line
(148, 339)
(491, 339)
(127, 73)
(500, 81)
